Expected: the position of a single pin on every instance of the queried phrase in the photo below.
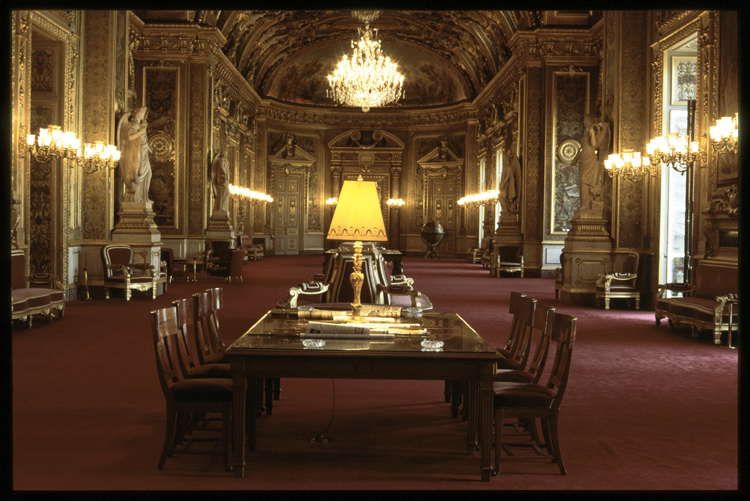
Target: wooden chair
(185, 397)
(559, 277)
(120, 272)
(515, 353)
(620, 285)
(474, 255)
(529, 401)
(543, 319)
(190, 366)
(205, 328)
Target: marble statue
(510, 183)
(220, 181)
(590, 160)
(133, 142)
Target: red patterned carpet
(647, 408)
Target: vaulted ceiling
(446, 56)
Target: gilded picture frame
(684, 79)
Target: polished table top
(285, 332)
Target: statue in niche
(590, 161)
(220, 181)
(134, 162)
(510, 183)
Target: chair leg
(227, 435)
(168, 435)
(456, 397)
(606, 303)
(556, 443)
(637, 303)
(447, 392)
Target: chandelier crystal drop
(367, 78)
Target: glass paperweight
(313, 344)
(432, 345)
(413, 312)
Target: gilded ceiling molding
(669, 20)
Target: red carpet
(647, 408)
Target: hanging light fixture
(367, 78)
(629, 165)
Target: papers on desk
(377, 312)
(365, 330)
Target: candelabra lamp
(629, 165)
(98, 156)
(673, 150)
(724, 134)
(53, 143)
(358, 217)
(478, 199)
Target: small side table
(732, 300)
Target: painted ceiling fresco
(427, 82)
(447, 56)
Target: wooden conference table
(276, 346)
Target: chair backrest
(509, 253)
(217, 245)
(165, 332)
(202, 311)
(564, 335)
(167, 255)
(18, 270)
(115, 254)
(184, 321)
(630, 263)
(544, 319)
(519, 343)
(217, 303)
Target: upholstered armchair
(227, 264)
(620, 285)
(213, 248)
(121, 272)
(475, 255)
(506, 258)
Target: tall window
(680, 85)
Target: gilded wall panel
(161, 86)
(532, 165)
(632, 133)
(570, 101)
(97, 119)
(197, 124)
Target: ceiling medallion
(367, 79)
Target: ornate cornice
(335, 117)
(169, 41)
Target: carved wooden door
(442, 208)
(288, 214)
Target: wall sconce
(53, 143)
(724, 134)
(629, 165)
(674, 151)
(98, 156)
(332, 202)
(395, 203)
(484, 198)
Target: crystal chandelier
(367, 78)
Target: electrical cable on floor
(319, 438)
